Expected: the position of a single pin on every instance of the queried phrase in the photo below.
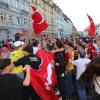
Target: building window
(11, 19)
(25, 21)
(18, 20)
(3, 17)
(17, 3)
(26, 6)
(57, 17)
(4, 1)
(23, 4)
(8, 1)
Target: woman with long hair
(92, 73)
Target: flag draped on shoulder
(39, 23)
(43, 80)
(91, 29)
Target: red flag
(39, 23)
(22, 34)
(91, 51)
(43, 80)
(7, 43)
(91, 29)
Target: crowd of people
(76, 62)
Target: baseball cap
(28, 48)
(17, 43)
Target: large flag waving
(91, 29)
(39, 23)
(43, 81)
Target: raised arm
(26, 81)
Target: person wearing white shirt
(80, 67)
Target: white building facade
(63, 25)
(14, 17)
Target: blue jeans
(70, 82)
(81, 91)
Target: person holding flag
(60, 66)
(17, 54)
(44, 79)
(11, 86)
(33, 61)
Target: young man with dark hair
(32, 60)
(29, 58)
(60, 66)
(81, 67)
(11, 86)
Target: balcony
(4, 5)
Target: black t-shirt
(31, 60)
(11, 87)
(60, 58)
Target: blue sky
(76, 10)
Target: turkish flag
(91, 29)
(91, 51)
(39, 23)
(21, 34)
(43, 80)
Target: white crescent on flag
(39, 23)
(41, 20)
